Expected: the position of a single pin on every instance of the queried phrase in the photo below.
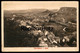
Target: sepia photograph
(39, 26)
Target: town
(45, 28)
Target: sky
(22, 5)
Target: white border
(31, 49)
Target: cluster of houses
(46, 35)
